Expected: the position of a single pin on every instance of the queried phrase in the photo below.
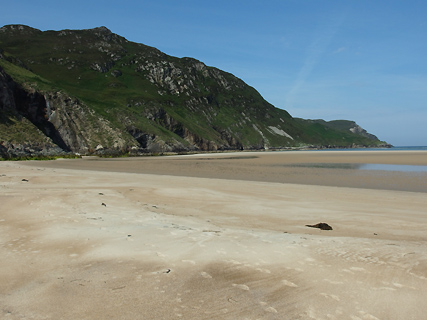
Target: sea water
(404, 148)
(363, 166)
(392, 167)
(371, 166)
(409, 148)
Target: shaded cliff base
(9, 151)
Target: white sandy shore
(84, 244)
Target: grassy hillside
(142, 91)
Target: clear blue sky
(362, 60)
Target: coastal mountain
(94, 92)
(347, 125)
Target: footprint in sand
(347, 271)
(206, 275)
(267, 309)
(241, 286)
(271, 310)
(385, 288)
(330, 296)
(367, 316)
(398, 285)
(289, 284)
(263, 270)
(333, 281)
(235, 262)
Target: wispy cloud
(314, 52)
(339, 50)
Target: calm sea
(408, 148)
(413, 148)
(372, 166)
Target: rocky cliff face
(19, 136)
(52, 123)
(356, 129)
(92, 91)
(349, 126)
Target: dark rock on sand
(321, 225)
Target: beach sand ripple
(195, 247)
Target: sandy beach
(215, 236)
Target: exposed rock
(347, 125)
(102, 67)
(359, 130)
(321, 226)
(9, 150)
(19, 137)
(116, 73)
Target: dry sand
(214, 237)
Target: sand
(214, 236)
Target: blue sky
(362, 60)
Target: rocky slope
(347, 125)
(92, 91)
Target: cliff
(92, 91)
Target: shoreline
(71, 155)
(278, 167)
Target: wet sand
(328, 168)
(214, 236)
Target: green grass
(48, 61)
(19, 130)
(24, 76)
(40, 158)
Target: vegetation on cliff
(92, 91)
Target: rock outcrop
(20, 138)
(60, 124)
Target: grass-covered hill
(92, 91)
